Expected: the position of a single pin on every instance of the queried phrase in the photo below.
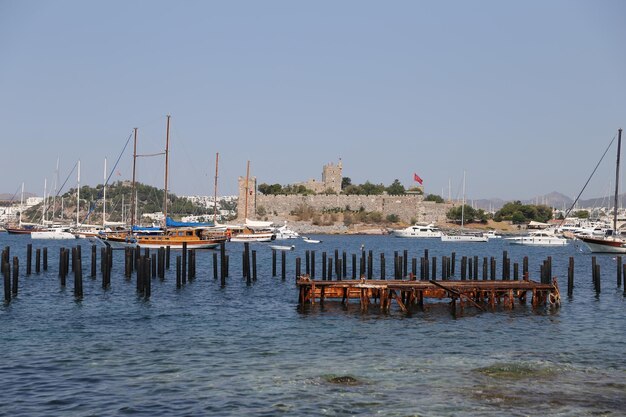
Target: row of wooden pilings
(147, 265)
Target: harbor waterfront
(244, 349)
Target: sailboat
(194, 237)
(22, 228)
(59, 232)
(611, 242)
(464, 236)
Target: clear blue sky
(523, 95)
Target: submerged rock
(343, 380)
(516, 371)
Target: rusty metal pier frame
(480, 294)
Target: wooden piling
(184, 263)
(214, 265)
(283, 262)
(570, 277)
(93, 261)
(7, 280)
(274, 263)
(29, 257)
(324, 270)
(253, 265)
(382, 265)
(38, 261)
(179, 282)
(619, 271)
(16, 274)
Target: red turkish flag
(417, 178)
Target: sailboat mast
(167, 145)
(463, 203)
(217, 160)
(44, 212)
(78, 196)
(132, 193)
(104, 194)
(21, 206)
(247, 189)
(619, 149)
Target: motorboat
(491, 234)
(538, 238)
(246, 234)
(419, 230)
(309, 240)
(53, 233)
(283, 233)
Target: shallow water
(249, 350)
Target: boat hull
(464, 239)
(528, 241)
(599, 245)
(52, 235)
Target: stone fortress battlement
(329, 198)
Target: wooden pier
(412, 293)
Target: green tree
(433, 197)
(372, 189)
(345, 181)
(396, 188)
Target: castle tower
(332, 176)
(241, 204)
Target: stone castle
(407, 207)
(331, 180)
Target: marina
(204, 314)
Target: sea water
(250, 350)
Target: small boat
(538, 238)
(419, 230)
(282, 247)
(309, 240)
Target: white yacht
(56, 233)
(284, 232)
(491, 234)
(419, 230)
(538, 238)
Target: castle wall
(406, 207)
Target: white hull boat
(464, 238)
(538, 239)
(419, 230)
(604, 245)
(282, 247)
(53, 234)
(308, 240)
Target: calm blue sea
(249, 350)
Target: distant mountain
(602, 202)
(17, 197)
(553, 199)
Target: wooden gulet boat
(174, 237)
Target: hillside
(118, 201)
